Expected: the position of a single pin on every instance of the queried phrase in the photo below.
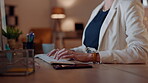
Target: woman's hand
(53, 52)
(63, 53)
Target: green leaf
(12, 33)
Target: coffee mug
(47, 48)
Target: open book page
(51, 59)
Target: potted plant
(12, 34)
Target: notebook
(51, 59)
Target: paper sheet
(51, 59)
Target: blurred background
(41, 17)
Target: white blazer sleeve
(80, 49)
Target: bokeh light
(66, 3)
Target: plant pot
(12, 44)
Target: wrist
(98, 57)
(95, 57)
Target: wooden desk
(101, 73)
(139, 70)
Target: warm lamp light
(57, 13)
(67, 3)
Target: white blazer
(123, 36)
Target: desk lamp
(57, 14)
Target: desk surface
(100, 73)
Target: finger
(69, 56)
(56, 53)
(67, 52)
(52, 52)
(62, 54)
(59, 52)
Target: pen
(30, 37)
(27, 38)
